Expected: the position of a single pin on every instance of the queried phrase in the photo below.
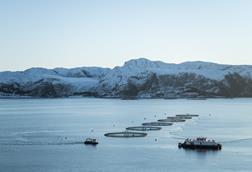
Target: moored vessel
(200, 143)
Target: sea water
(48, 134)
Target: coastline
(119, 98)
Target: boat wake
(237, 140)
(40, 138)
(40, 143)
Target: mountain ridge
(136, 78)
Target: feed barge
(200, 143)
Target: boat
(200, 143)
(90, 141)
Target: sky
(106, 33)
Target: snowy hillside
(208, 70)
(139, 78)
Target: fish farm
(151, 126)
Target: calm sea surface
(47, 135)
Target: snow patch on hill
(138, 72)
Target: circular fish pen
(157, 124)
(187, 115)
(180, 117)
(144, 128)
(174, 117)
(171, 120)
(125, 134)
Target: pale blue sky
(60, 33)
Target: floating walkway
(144, 128)
(157, 124)
(125, 134)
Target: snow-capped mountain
(138, 78)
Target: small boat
(200, 143)
(90, 141)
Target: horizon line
(139, 58)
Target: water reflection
(201, 153)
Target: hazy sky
(58, 33)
